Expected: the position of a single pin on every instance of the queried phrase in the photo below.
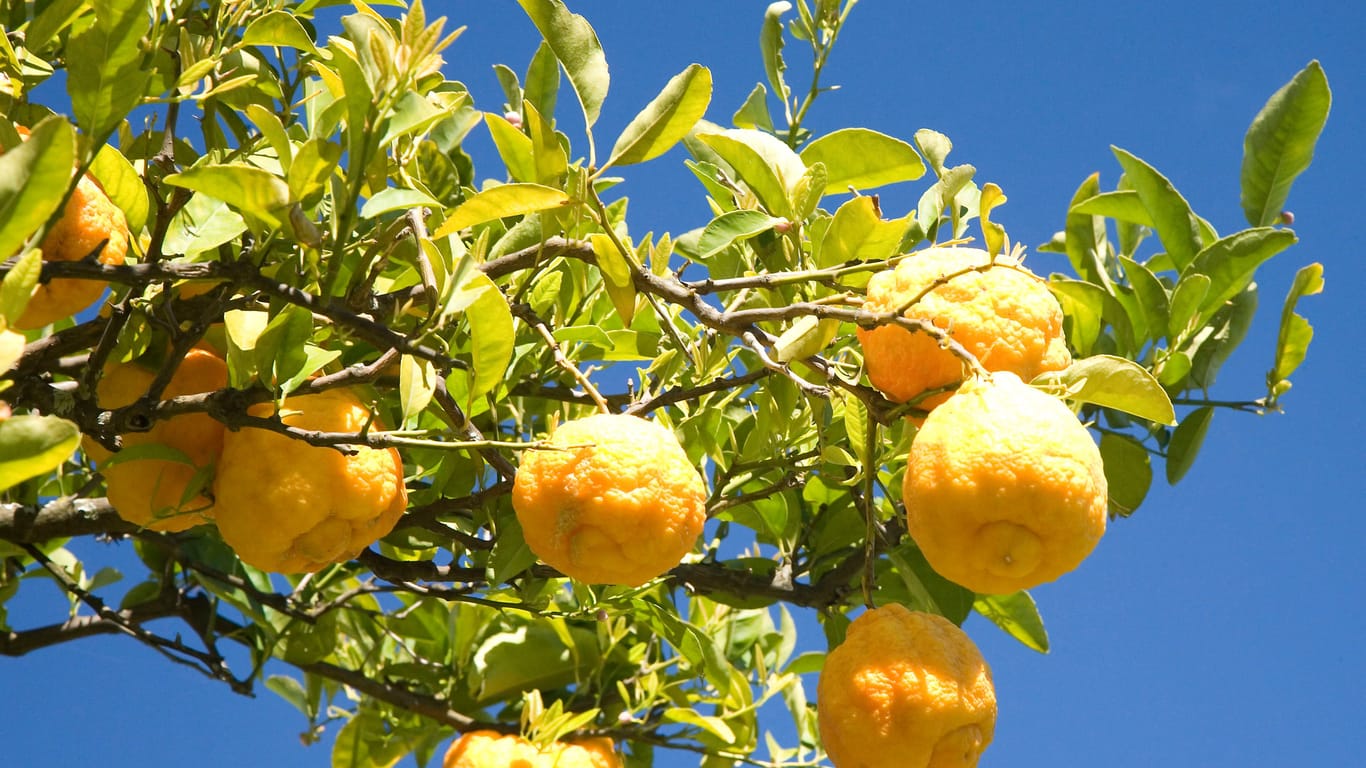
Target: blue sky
(1217, 627)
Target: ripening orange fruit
(489, 749)
(614, 501)
(1000, 312)
(1004, 487)
(905, 689)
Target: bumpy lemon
(617, 501)
(489, 749)
(155, 492)
(289, 507)
(88, 220)
(905, 690)
(1004, 488)
(999, 312)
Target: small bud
(625, 718)
(601, 615)
(513, 117)
(1287, 218)
(782, 227)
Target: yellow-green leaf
(1113, 382)
(666, 119)
(34, 445)
(862, 159)
(499, 202)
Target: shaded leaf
(105, 73)
(16, 290)
(1085, 236)
(807, 336)
(754, 112)
(1128, 471)
(1186, 441)
(1231, 262)
(1187, 298)
(1121, 205)
(730, 227)
(254, 192)
(1280, 143)
(863, 159)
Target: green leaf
(576, 45)
(993, 233)
(771, 48)
(33, 179)
(11, 350)
(1085, 236)
(288, 689)
(550, 160)
(513, 146)
(1113, 382)
(1121, 205)
(311, 169)
(416, 385)
(279, 350)
(122, 185)
(1154, 302)
(364, 742)
(1231, 262)
(754, 112)
(1128, 471)
(1172, 216)
(542, 80)
(1280, 143)
(1017, 615)
(392, 199)
(1187, 298)
(666, 119)
(491, 332)
(767, 165)
(106, 77)
(728, 228)
(616, 272)
(1292, 342)
(256, 193)
(857, 234)
(279, 29)
(1185, 443)
(499, 202)
(863, 159)
(807, 336)
(713, 725)
(1089, 306)
(34, 445)
(17, 288)
(935, 146)
(1214, 342)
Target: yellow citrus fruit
(151, 491)
(489, 749)
(289, 507)
(998, 311)
(617, 501)
(88, 220)
(1004, 488)
(905, 690)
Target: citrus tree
(428, 451)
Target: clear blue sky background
(1219, 626)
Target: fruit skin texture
(1004, 488)
(489, 749)
(905, 690)
(89, 218)
(1003, 315)
(289, 507)
(622, 506)
(150, 492)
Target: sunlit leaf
(1187, 298)
(392, 199)
(258, 194)
(1280, 143)
(1292, 342)
(1172, 216)
(33, 179)
(122, 184)
(666, 119)
(730, 227)
(416, 385)
(1121, 205)
(754, 112)
(105, 73)
(763, 162)
(34, 445)
(862, 159)
(279, 29)
(807, 336)
(1085, 236)
(1231, 262)
(576, 45)
(935, 146)
(499, 202)
(513, 146)
(993, 233)
(1017, 615)
(857, 234)
(771, 47)
(1113, 382)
